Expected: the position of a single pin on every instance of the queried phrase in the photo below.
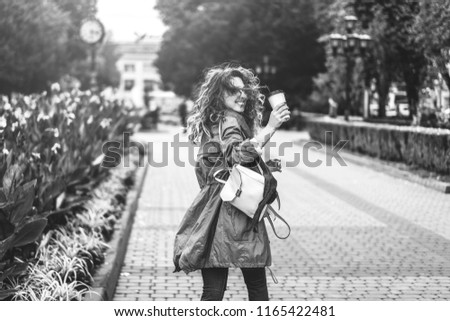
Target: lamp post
(92, 33)
(349, 45)
(266, 71)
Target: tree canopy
(39, 41)
(32, 40)
(203, 33)
(432, 30)
(76, 11)
(395, 54)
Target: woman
(213, 234)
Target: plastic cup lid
(276, 92)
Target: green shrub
(427, 148)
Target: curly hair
(209, 105)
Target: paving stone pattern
(357, 234)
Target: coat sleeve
(236, 148)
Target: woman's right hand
(278, 116)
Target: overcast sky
(127, 17)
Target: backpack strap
(270, 210)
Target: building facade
(138, 76)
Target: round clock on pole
(92, 31)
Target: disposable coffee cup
(276, 99)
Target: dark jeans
(215, 283)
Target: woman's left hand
(274, 165)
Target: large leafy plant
(50, 156)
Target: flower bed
(68, 255)
(426, 148)
(50, 162)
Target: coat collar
(241, 121)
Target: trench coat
(214, 233)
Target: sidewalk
(357, 234)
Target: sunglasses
(235, 90)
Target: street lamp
(266, 71)
(350, 22)
(350, 45)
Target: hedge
(426, 148)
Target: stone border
(389, 168)
(107, 276)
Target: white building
(138, 75)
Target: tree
(206, 32)
(76, 12)
(331, 84)
(39, 41)
(32, 40)
(432, 31)
(107, 73)
(395, 55)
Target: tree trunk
(412, 107)
(383, 92)
(412, 93)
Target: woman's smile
(241, 102)
(236, 100)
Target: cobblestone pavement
(357, 234)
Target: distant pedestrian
(214, 235)
(182, 112)
(333, 106)
(151, 117)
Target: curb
(107, 276)
(389, 168)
